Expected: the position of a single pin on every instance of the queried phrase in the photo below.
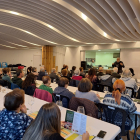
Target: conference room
(69, 69)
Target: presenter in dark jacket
(119, 64)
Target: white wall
(131, 59)
(24, 57)
(59, 52)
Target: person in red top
(76, 75)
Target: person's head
(91, 73)
(132, 71)
(53, 70)
(108, 72)
(93, 60)
(63, 82)
(64, 65)
(77, 72)
(73, 68)
(42, 69)
(81, 69)
(119, 87)
(47, 122)
(19, 73)
(5, 70)
(29, 80)
(14, 99)
(126, 74)
(85, 85)
(115, 69)
(34, 69)
(100, 69)
(46, 80)
(118, 59)
(64, 72)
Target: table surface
(93, 125)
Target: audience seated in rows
(46, 84)
(93, 78)
(115, 73)
(76, 75)
(84, 91)
(128, 80)
(72, 71)
(13, 118)
(53, 75)
(117, 99)
(41, 73)
(17, 79)
(107, 79)
(47, 125)
(29, 85)
(82, 72)
(65, 73)
(100, 73)
(6, 75)
(62, 89)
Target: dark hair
(29, 80)
(33, 69)
(132, 71)
(73, 68)
(18, 72)
(108, 72)
(63, 81)
(45, 79)
(14, 99)
(81, 68)
(47, 122)
(91, 73)
(5, 70)
(85, 85)
(64, 72)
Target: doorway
(37, 62)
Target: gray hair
(76, 72)
(42, 68)
(126, 74)
(53, 69)
(115, 69)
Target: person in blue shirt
(13, 119)
(6, 76)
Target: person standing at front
(119, 64)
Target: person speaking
(119, 64)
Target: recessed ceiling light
(105, 34)
(15, 13)
(50, 26)
(84, 16)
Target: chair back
(74, 83)
(5, 83)
(13, 86)
(43, 95)
(110, 113)
(65, 100)
(102, 88)
(130, 92)
(90, 107)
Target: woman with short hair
(84, 91)
(46, 84)
(47, 125)
(65, 73)
(76, 75)
(29, 84)
(13, 119)
(6, 76)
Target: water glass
(59, 103)
(81, 109)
